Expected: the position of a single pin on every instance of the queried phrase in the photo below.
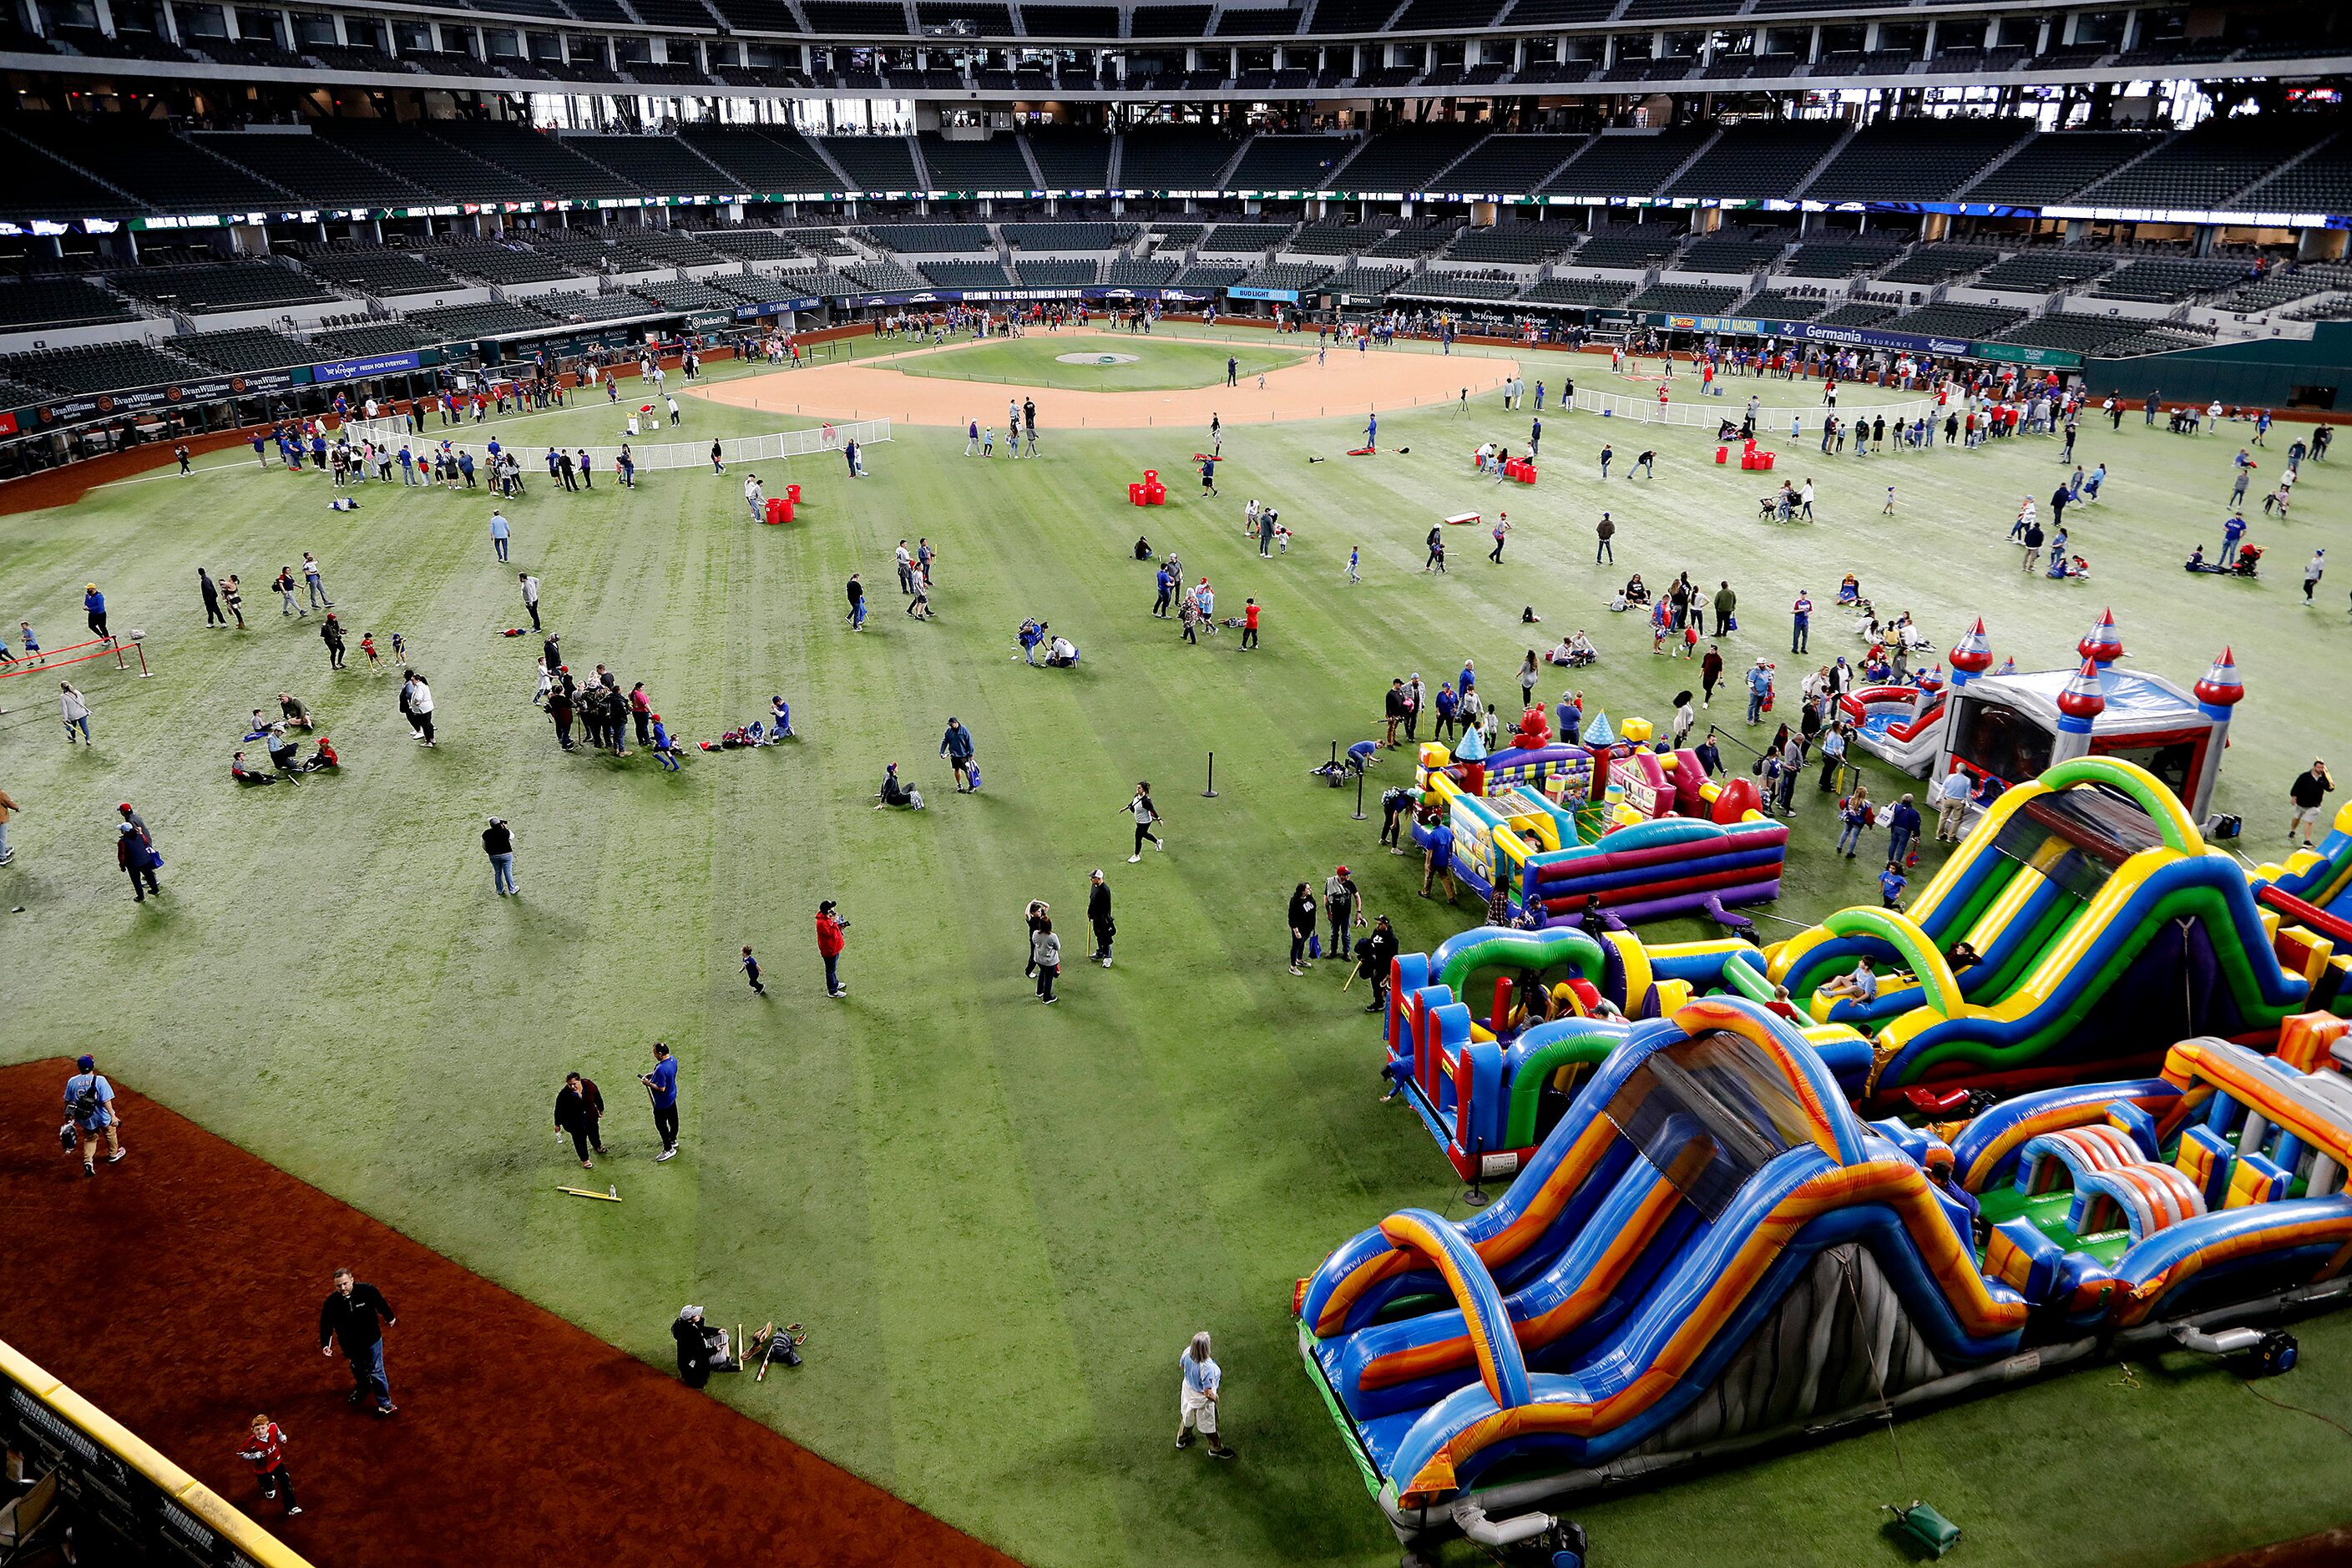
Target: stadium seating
(1753, 164)
(1068, 235)
(749, 244)
(1510, 165)
(1914, 161)
(97, 367)
(244, 348)
(765, 162)
(584, 250)
(234, 286)
(678, 296)
(1934, 263)
(2071, 333)
(488, 262)
(1364, 283)
(2204, 168)
(1733, 250)
(364, 339)
(429, 162)
(1696, 298)
(1209, 277)
(1405, 160)
(385, 273)
(884, 277)
(1290, 163)
(992, 165)
(1856, 314)
(60, 302)
(1840, 257)
(545, 161)
(1635, 164)
(1779, 305)
(458, 324)
(314, 169)
(1951, 319)
(2047, 271)
(669, 246)
(1333, 239)
(1150, 273)
(821, 241)
(1243, 238)
(664, 165)
(1444, 283)
(931, 239)
(2053, 166)
(1071, 160)
(1173, 159)
(1053, 274)
(2276, 289)
(40, 186)
(1629, 246)
(1529, 244)
(874, 162)
(2321, 183)
(1296, 275)
(2166, 280)
(144, 158)
(965, 275)
(1412, 242)
(1596, 293)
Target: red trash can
(793, 494)
(1135, 495)
(1769, 458)
(1156, 494)
(779, 510)
(1723, 454)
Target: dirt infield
(180, 1292)
(1348, 384)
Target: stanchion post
(1211, 793)
(1359, 797)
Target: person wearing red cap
(1343, 906)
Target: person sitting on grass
(1063, 654)
(894, 793)
(321, 758)
(245, 775)
(703, 1349)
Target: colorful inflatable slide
(2082, 923)
(1605, 821)
(1711, 1251)
(2314, 886)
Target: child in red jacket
(266, 1451)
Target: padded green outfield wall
(2313, 374)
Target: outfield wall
(116, 1484)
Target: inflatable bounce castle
(1605, 819)
(2006, 727)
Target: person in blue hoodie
(94, 603)
(664, 753)
(957, 748)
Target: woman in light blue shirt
(1197, 1404)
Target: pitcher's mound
(1096, 359)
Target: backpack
(86, 1104)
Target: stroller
(1355, 764)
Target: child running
(266, 1452)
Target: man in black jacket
(1099, 917)
(357, 1315)
(1374, 953)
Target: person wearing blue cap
(89, 1114)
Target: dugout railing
(112, 1484)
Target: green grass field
(1003, 1221)
(1152, 364)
